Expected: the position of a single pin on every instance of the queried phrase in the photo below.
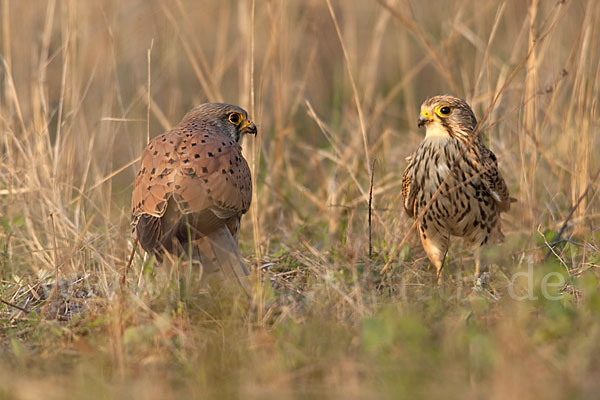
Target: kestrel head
(447, 116)
(229, 119)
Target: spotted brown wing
(186, 171)
(408, 193)
(493, 180)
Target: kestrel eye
(235, 118)
(445, 110)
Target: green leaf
(17, 348)
(5, 222)
(18, 221)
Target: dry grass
(333, 86)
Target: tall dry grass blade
(414, 29)
(12, 95)
(212, 78)
(486, 54)
(200, 73)
(578, 203)
(339, 158)
(255, 147)
(527, 146)
(157, 112)
(357, 102)
(107, 178)
(58, 145)
(371, 60)
(6, 40)
(371, 211)
(582, 119)
(149, 98)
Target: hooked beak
(424, 118)
(249, 127)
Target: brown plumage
(473, 192)
(193, 187)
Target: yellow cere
(426, 114)
(429, 116)
(246, 123)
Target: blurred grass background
(335, 88)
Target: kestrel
(472, 191)
(192, 189)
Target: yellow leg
(477, 256)
(436, 248)
(439, 273)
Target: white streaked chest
(435, 165)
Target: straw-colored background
(335, 88)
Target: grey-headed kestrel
(472, 191)
(192, 189)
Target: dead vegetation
(334, 87)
